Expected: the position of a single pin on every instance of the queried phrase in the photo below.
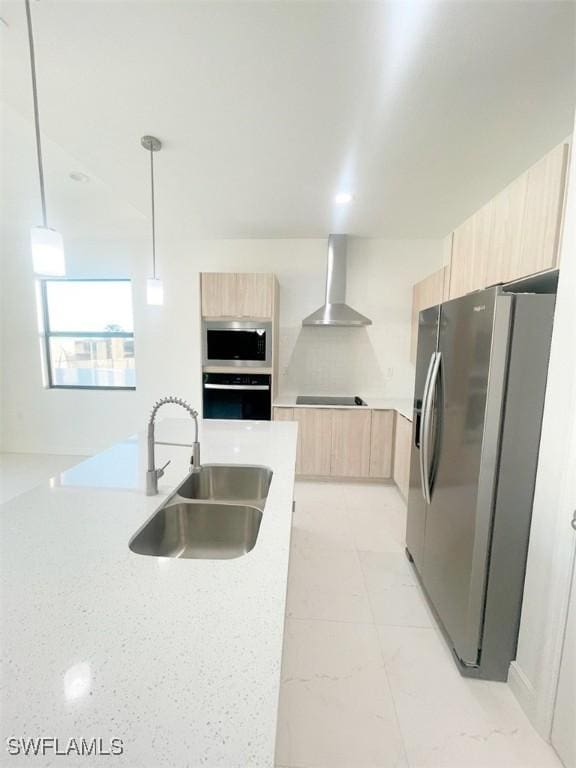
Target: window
(89, 333)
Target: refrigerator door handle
(426, 424)
(421, 438)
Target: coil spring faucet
(153, 474)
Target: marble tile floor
(367, 679)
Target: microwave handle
(260, 387)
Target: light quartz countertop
(178, 658)
(403, 406)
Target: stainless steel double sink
(215, 513)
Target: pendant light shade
(46, 243)
(47, 251)
(154, 286)
(154, 291)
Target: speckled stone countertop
(178, 658)
(403, 406)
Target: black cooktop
(324, 400)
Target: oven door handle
(259, 387)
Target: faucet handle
(161, 470)
(195, 457)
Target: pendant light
(154, 287)
(46, 243)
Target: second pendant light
(154, 286)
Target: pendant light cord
(153, 215)
(36, 113)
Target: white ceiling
(422, 109)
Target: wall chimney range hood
(335, 311)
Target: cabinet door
(470, 251)
(381, 444)
(314, 440)
(351, 443)
(219, 294)
(254, 294)
(402, 447)
(504, 260)
(543, 213)
(426, 293)
(283, 414)
(460, 263)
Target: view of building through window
(89, 333)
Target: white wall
(368, 361)
(533, 675)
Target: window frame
(48, 334)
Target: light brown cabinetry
(230, 294)
(505, 257)
(470, 252)
(543, 212)
(427, 293)
(218, 293)
(340, 442)
(283, 414)
(381, 444)
(254, 294)
(514, 235)
(314, 441)
(402, 448)
(350, 455)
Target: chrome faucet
(153, 474)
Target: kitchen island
(177, 658)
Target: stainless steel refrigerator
(480, 383)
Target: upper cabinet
(504, 261)
(219, 292)
(470, 251)
(427, 293)
(229, 294)
(514, 235)
(543, 207)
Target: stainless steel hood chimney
(335, 311)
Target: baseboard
(524, 692)
(339, 479)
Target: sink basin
(228, 482)
(202, 531)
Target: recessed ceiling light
(343, 198)
(82, 178)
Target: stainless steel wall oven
(237, 396)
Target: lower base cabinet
(342, 442)
(350, 454)
(402, 448)
(382, 443)
(314, 441)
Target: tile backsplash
(332, 361)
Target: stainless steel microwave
(242, 343)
